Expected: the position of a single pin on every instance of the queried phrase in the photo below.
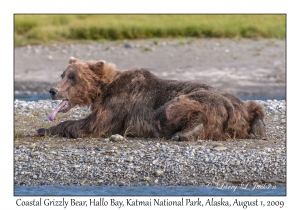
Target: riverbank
(135, 162)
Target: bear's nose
(53, 92)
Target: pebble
(220, 148)
(159, 173)
(130, 159)
(32, 146)
(128, 45)
(36, 153)
(116, 137)
(147, 178)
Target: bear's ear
(72, 60)
(97, 67)
(99, 64)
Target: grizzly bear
(149, 106)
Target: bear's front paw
(41, 131)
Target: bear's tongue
(63, 105)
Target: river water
(144, 191)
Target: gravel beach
(130, 162)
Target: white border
(113, 6)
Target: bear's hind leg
(179, 120)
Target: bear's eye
(72, 77)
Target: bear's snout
(53, 92)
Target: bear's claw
(41, 131)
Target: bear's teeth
(63, 105)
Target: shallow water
(144, 191)
(31, 97)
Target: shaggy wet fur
(150, 106)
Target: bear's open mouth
(61, 107)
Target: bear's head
(79, 85)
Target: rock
(130, 159)
(154, 162)
(217, 144)
(250, 146)
(53, 152)
(36, 153)
(159, 173)
(147, 178)
(128, 45)
(116, 137)
(32, 146)
(219, 148)
(268, 149)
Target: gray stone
(159, 173)
(147, 178)
(116, 137)
(32, 146)
(130, 159)
(219, 148)
(128, 45)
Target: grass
(44, 29)
(127, 132)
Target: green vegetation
(38, 29)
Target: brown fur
(150, 106)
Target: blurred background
(42, 29)
(241, 54)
